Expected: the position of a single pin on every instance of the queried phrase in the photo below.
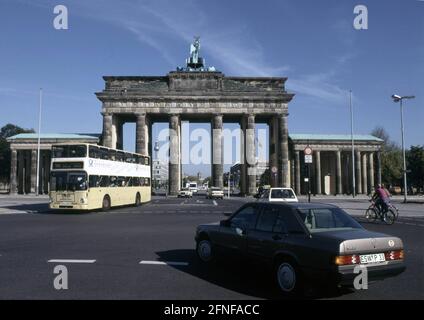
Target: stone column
(13, 171)
(107, 130)
(358, 177)
(33, 170)
(243, 164)
(297, 158)
(371, 172)
(273, 150)
(318, 172)
(217, 152)
(119, 134)
(174, 154)
(379, 181)
(364, 174)
(284, 151)
(46, 172)
(141, 131)
(21, 171)
(250, 155)
(339, 172)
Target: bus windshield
(70, 151)
(68, 181)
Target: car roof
(299, 205)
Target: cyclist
(382, 199)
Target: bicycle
(373, 212)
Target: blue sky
(313, 43)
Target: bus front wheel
(137, 200)
(106, 203)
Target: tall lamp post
(397, 98)
(157, 161)
(37, 183)
(353, 145)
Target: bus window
(70, 151)
(128, 158)
(146, 161)
(120, 156)
(94, 152)
(113, 182)
(146, 182)
(120, 182)
(104, 154)
(112, 155)
(129, 181)
(104, 182)
(93, 181)
(68, 181)
(136, 181)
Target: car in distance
(192, 186)
(302, 243)
(278, 195)
(215, 193)
(185, 193)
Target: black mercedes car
(302, 242)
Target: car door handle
(276, 237)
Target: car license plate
(372, 258)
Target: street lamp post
(397, 98)
(37, 183)
(353, 145)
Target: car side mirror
(240, 231)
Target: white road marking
(164, 263)
(70, 261)
(215, 203)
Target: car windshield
(71, 151)
(327, 219)
(68, 181)
(282, 194)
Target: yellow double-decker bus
(88, 177)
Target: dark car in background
(302, 243)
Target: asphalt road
(108, 248)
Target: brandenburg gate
(200, 94)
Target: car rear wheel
(289, 279)
(106, 203)
(204, 250)
(137, 200)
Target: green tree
(208, 180)
(265, 178)
(7, 131)
(415, 166)
(391, 158)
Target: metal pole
(405, 185)
(38, 145)
(353, 145)
(229, 184)
(309, 182)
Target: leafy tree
(208, 180)
(7, 131)
(391, 158)
(415, 165)
(265, 178)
